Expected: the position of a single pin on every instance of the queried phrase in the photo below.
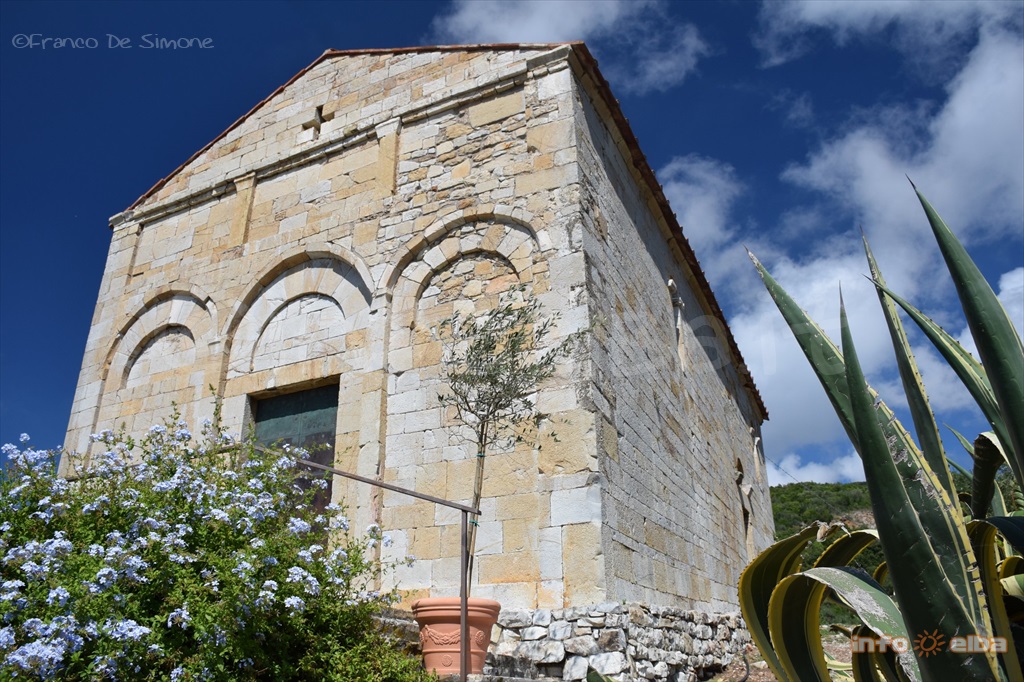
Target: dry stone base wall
(623, 641)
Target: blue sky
(784, 127)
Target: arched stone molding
(165, 308)
(184, 319)
(498, 214)
(300, 278)
(161, 293)
(361, 277)
(508, 241)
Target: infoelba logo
(929, 644)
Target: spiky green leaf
(760, 578)
(917, 399)
(908, 549)
(794, 618)
(942, 521)
(998, 343)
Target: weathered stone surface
(609, 663)
(514, 618)
(584, 646)
(541, 651)
(612, 639)
(575, 668)
(560, 629)
(535, 632)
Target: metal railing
(464, 573)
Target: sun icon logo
(928, 643)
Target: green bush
(182, 559)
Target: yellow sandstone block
(496, 109)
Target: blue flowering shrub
(176, 558)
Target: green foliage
(178, 559)
(798, 505)
(493, 362)
(949, 577)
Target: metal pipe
(464, 598)
(389, 486)
(464, 572)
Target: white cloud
(702, 192)
(927, 32)
(967, 155)
(792, 469)
(532, 21)
(969, 161)
(641, 47)
(1011, 295)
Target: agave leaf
(880, 573)
(825, 358)
(917, 399)
(1011, 566)
(999, 346)
(1011, 578)
(988, 457)
(760, 578)
(845, 549)
(998, 502)
(914, 568)
(940, 519)
(872, 666)
(794, 618)
(1011, 527)
(984, 536)
(970, 372)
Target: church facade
(299, 262)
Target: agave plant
(950, 575)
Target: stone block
(541, 651)
(495, 109)
(584, 645)
(509, 568)
(576, 668)
(534, 632)
(576, 505)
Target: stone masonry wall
(684, 495)
(623, 641)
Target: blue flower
(295, 604)
(125, 630)
(58, 595)
(179, 617)
(38, 657)
(301, 575)
(105, 577)
(298, 526)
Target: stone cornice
(537, 66)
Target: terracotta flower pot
(440, 633)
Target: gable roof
(589, 66)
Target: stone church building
(298, 262)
